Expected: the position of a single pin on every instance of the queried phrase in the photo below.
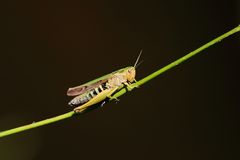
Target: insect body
(99, 89)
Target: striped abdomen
(83, 98)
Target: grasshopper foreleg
(130, 87)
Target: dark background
(189, 112)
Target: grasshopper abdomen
(84, 98)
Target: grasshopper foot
(78, 110)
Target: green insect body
(102, 88)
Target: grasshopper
(101, 88)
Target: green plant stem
(36, 124)
(123, 91)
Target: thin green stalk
(123, 91)
(36, 124)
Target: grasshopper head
(130, 73)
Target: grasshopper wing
(84, 88)
(77, 90)
(90, 85)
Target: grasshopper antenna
(136, 63)
(139, 64)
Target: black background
(189, 112)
